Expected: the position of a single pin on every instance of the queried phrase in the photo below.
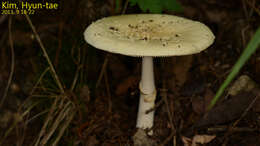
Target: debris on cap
(149, 35)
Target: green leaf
(157, 6)
(133, 2)
(250, 49)
(173, 5)
(117, 5)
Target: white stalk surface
(147, 95)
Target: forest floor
(95, 100)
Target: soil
(105, 99)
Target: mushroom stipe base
(147, 95)
(148, 36)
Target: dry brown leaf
(92, 141)
(257, 68)
(197, 140)
(130, 82)
(141, 139)
(197, 105)
(208, 96)
(85, 93)
(117, 68)
(256, 107)
(22, 38)
(200, 104)
(186, 141)
(202, 139)
(245, 83)
(234, 105)
(181, 66)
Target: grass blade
(250, 49)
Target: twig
(235, 129)
(247, 109)
(47, 121)
(45, 54)
(231, 129)
(243, 32)
(78, 61)
(167, 139)
(56, 60)
(108, 93)
(75, 78)
(159, 103)
(3, 59)
(12, 61)
(164, 96)
(2, 41)
(39, 80)
(107, 56)
(2, 18)
(59, 111)
(24, 134)
(62, 114)
(125, 7)
(36, 116)
(67, 122)
(4, 36)
(21, 132)
(102, 70)
(245, 9)
(253, 7)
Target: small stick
(248, 108)
(12, 61)
(125, 7)
(245, 9)
(102, 70)
(253, 7)
(243, 31)
(2, 18)
(159, 103)
(45, 54)
(63, 128)
(167, 139)
(108, 92)
(235, 129)
(107, 56)
(75, 78)
(256, 91)
(164, 96)
(49, 119)
(56, 60)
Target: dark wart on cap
(149, 35)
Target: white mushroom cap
(149, 35)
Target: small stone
(141, 139)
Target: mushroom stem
(147, 95)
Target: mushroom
(148, 36)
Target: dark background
(106, 115)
